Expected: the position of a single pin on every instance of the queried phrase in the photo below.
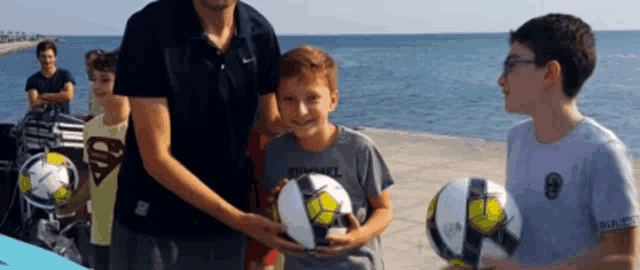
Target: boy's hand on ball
(276, 191)
(271, 199)
(342, 243)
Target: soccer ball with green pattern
(47, 179)
(470, 219)
(313, 206)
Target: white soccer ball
(471, 219)
(312, 207)
(46, 179)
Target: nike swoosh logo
(244, 60)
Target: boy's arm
(377, 181)
(84, 193)
(380, 218)
(614, 208)
(79, 199)
(617, 250)
(360, 235)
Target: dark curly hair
(106, 61)
(93, 52)
(564, 38)
(46, 45)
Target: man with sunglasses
(570, 176)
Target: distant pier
(15, 42)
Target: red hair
(309, 64)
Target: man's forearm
(59, 97)
(171, 174)
(272, 128)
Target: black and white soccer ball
(471, 219)
(312, 207)
(47, 179)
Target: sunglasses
(509, 65)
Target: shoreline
(364, 129)
(427, 133)
(7, 48)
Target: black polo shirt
(212, 97)
(54, 84)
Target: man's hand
(41, 103)
(268, 232)
(270, 211)
(343, 243)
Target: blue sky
(99, 17)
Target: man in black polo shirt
(51, 86)
(195, 72)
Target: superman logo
(102, 162)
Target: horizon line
(364, 33)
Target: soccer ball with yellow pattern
(472, 218)
(313, 206)
(47, 179)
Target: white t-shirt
(569, 191)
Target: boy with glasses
(571, 177)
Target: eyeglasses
(509, 65)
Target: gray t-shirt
(354, 161)
(570, 191)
